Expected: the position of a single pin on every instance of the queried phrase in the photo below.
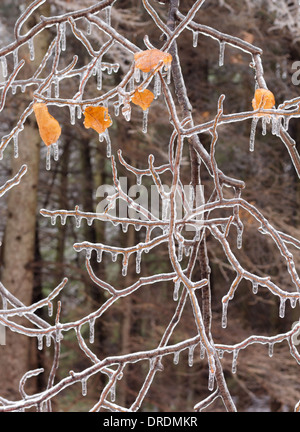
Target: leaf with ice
(263, 99)
(150, 59)
(49, 127)
(97, 118)
(143, 98)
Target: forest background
(261, 382)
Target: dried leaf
(49, 127)
(263, 99)
(149, 59)
(97, 118)
(143, 98)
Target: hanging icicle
(4, 66)
(221, 53)
(252, 133)
(31, 49)
(195, 38)
(92, 330)
(145, 120)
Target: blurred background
(36, 255)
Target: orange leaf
(143, 98)
(97, 118)
(149, 59)
(49, 127)
(263, 99)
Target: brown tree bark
(19, 355)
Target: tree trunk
(19, 355)
(18, 272)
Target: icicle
(239, 239)
(108, 143)
(92, 330)
(49, 92)
(48, 340)
(169, 75)
(50, 309)
(124, 265)
(99, 255)
(139, 179)
(48, 158)
(191, 355)
(176, 289)
(13, 89)
(63, 218)
(282, 307)
(58, 333)
(180, 251)
(84, 386)
(221, 354)
(131, 84)
(202, 351)
(234, 361)
(124, 227)
(114, 256)
(4, 66)
(99, 75)
(126, 111)
(116, 108)
(224, 314)
(211, 380)
(264, 122)
(252, 133)
(108, 15)
(72, 109)
(113, 392)
(187, 250)
(164, 211)
(16, 58)
(115, 67)
(62, 28)
(176, 357)
(276, 124)
(138, 261)
(254, 287)
(271, 349)
(157, 86)
(137, 74)
(88, 27)
(88, 252)
(293, 301)
(40, 342)
(286, 121)
(221, 54)
(195, 38)
(56, 88)
(79, 112)
(90, 221)
(16, 146)
(145, 120)
(78, 220)
(31, 49)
